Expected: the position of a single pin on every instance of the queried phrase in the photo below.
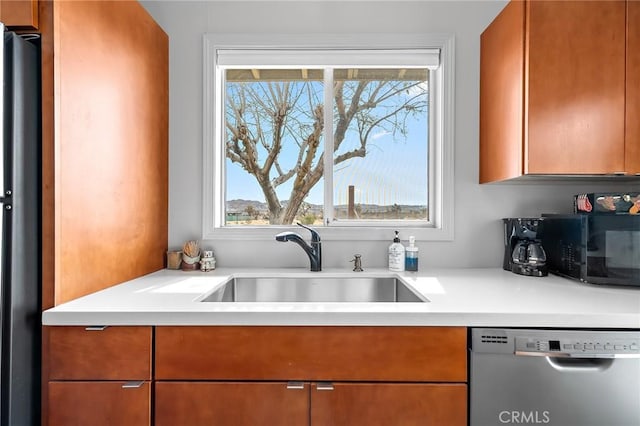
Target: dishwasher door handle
(564, 364)
(578, 355)
(570, 362)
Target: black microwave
(596, 248)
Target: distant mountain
(375, 208)
(240, 206)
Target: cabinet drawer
(114, 353)
(404, 354)
(389, 404)
(99, 404)
(231, 404)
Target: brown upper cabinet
(105, 91)
(556, 79)
(19, 14)
(632, 131)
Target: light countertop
(488, 297)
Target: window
(267, 131)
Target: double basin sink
(314, 289)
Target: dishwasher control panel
(574, 346)
(558, 343)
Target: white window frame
(441, 137)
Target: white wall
(478, 208)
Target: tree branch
(347, 117)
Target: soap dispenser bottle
(411, 259)
(396, 255)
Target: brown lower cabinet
(231, 404)
(311, 353)
(304, 403)
(98, 403)
(406, 404)
(257, 375)
(310, 375)
(99, 376)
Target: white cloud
(380, 134)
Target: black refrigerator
(20, 255)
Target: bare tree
(263, 116)
(252, 212)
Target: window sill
(332, 233)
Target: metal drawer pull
(295, 385)
(96, 328)
(133, 384)
(324, 386)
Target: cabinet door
(576, 87)
(99, 404)
(385, 404)
(502, 95)
(632, 137)
(232, 404)
(19, 14)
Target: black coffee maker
(523, 252)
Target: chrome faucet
(313, 250)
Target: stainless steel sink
(314, 289)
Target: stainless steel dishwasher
(554, 377)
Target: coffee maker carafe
(523, 252)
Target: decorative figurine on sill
(208, 262)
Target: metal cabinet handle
(133, 384)
(295, 385)
(324, 386)
(96, 328)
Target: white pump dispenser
(396, 255)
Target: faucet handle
(315, 236)
(357, 263)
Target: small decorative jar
(174, 259)
(207, 262)
(190, 255)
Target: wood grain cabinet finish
(230, 404)
(398, 354)
(552, 91)
(105, 89)
(382, 404)
(632, 146)
(115, 353)
(19, 14)
(99, 404)
(317, 404)
(105, 146)
(373, 360)
(92, 375)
